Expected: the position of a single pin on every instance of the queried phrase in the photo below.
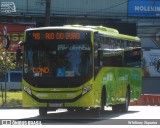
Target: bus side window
(125, 43)
(96, 54)
(98, 44)
(132, 58)
(98, 58)
(113, 59)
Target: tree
(10, 57)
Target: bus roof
(105, 31)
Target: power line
(110, 7)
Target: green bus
(80, 68)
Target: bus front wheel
(98, 110)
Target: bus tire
(124, 107)
(98, 110)
(42, 111)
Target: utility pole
(47, 12)
(5, 45)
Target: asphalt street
(136, 114)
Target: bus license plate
(55, 104)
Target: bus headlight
(28, 90)
(86, 89)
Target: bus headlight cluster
(28, 90)
(86, 89)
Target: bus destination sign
(58, 35)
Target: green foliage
(10, 57)
(14, 99)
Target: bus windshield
(57, 61)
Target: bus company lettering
(83, 47)
(40, 70)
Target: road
(136, 114)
